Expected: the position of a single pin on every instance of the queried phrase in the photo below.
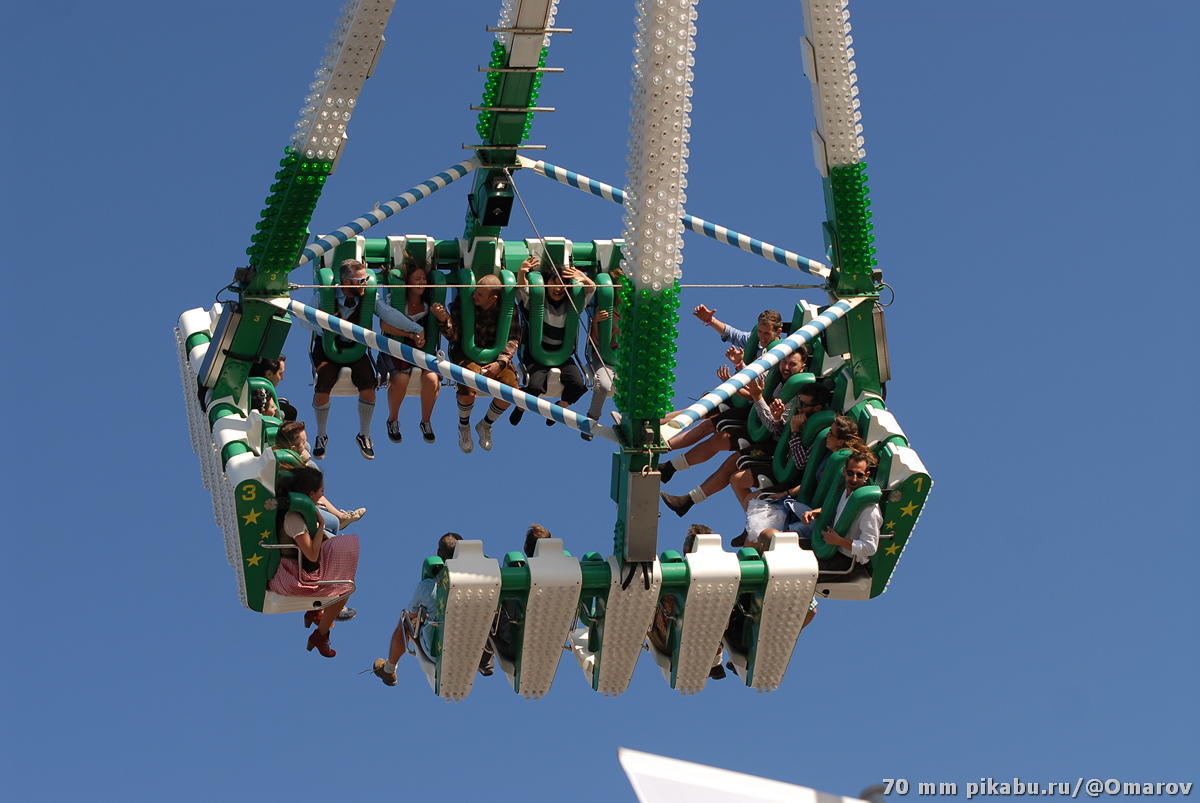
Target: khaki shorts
(507, 376)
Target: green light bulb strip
(852, 219)
(491, 91)
(648, 333)
(282, 228)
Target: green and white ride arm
(308, 159)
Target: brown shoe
(380, 670)
(681, 504)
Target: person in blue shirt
(349, 306)
(424, 598)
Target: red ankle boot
(321, 642)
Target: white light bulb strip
(333, 94)
(829, 62)
(529, 14)
(658, 141)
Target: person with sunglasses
(350, 303)
(862, 537)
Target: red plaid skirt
(339, 561)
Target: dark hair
(446, 545)
(264, 364)
(535, 533)
(288, 436)
(259, 398)
(693, 530)
(820, 394)
(348, 265)
(426, 293)
(772, 317)
(302, 480)
(299, 480)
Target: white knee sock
(322, 418)
(366, 409)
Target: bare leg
(720, 478)
(396, 388)
(399, 643)
(742, 481)
(693, 435)
(429, 393)
(708, 448)
(328, 615)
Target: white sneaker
(464, 440)
(484, 430)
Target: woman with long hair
(317, 559)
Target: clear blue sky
(1032, 170)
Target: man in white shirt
(862, 537)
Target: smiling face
(355, 277)
(857, 472)
(792, 364)
(487, 293)
(555, 287)
(768, 332)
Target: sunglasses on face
(856, 475)
(363, 280)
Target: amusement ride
(597, 607)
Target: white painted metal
(555, 580)
(881, 424)
(830, 67)
(657, 779)
(628, 613)
(658, 141)
(791, 582)
(713, 577)
(471, 601)
(349, 58)
(525, 49)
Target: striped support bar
(387, 209)
(479, 382)
(770, 358)
(696, 224)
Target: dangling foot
(321, 642)
(464, 439)
(348, 517)
(666, 471)
(346, 614)
(680, 504)
(516, 415)
(427, 432)
(381, 671)
(393, 430)
(484, 430)
(739, 541)
(319, 447)
(365, 446)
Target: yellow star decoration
(892, 549)
(252, 517)
(264, 534)
(908, 509)
(891, 525)
(254, 559)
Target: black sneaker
(717, 672)
(393, 429)
(365, 446)
(319, 445)
(346, 614)
(666, 471)
(427, 432)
